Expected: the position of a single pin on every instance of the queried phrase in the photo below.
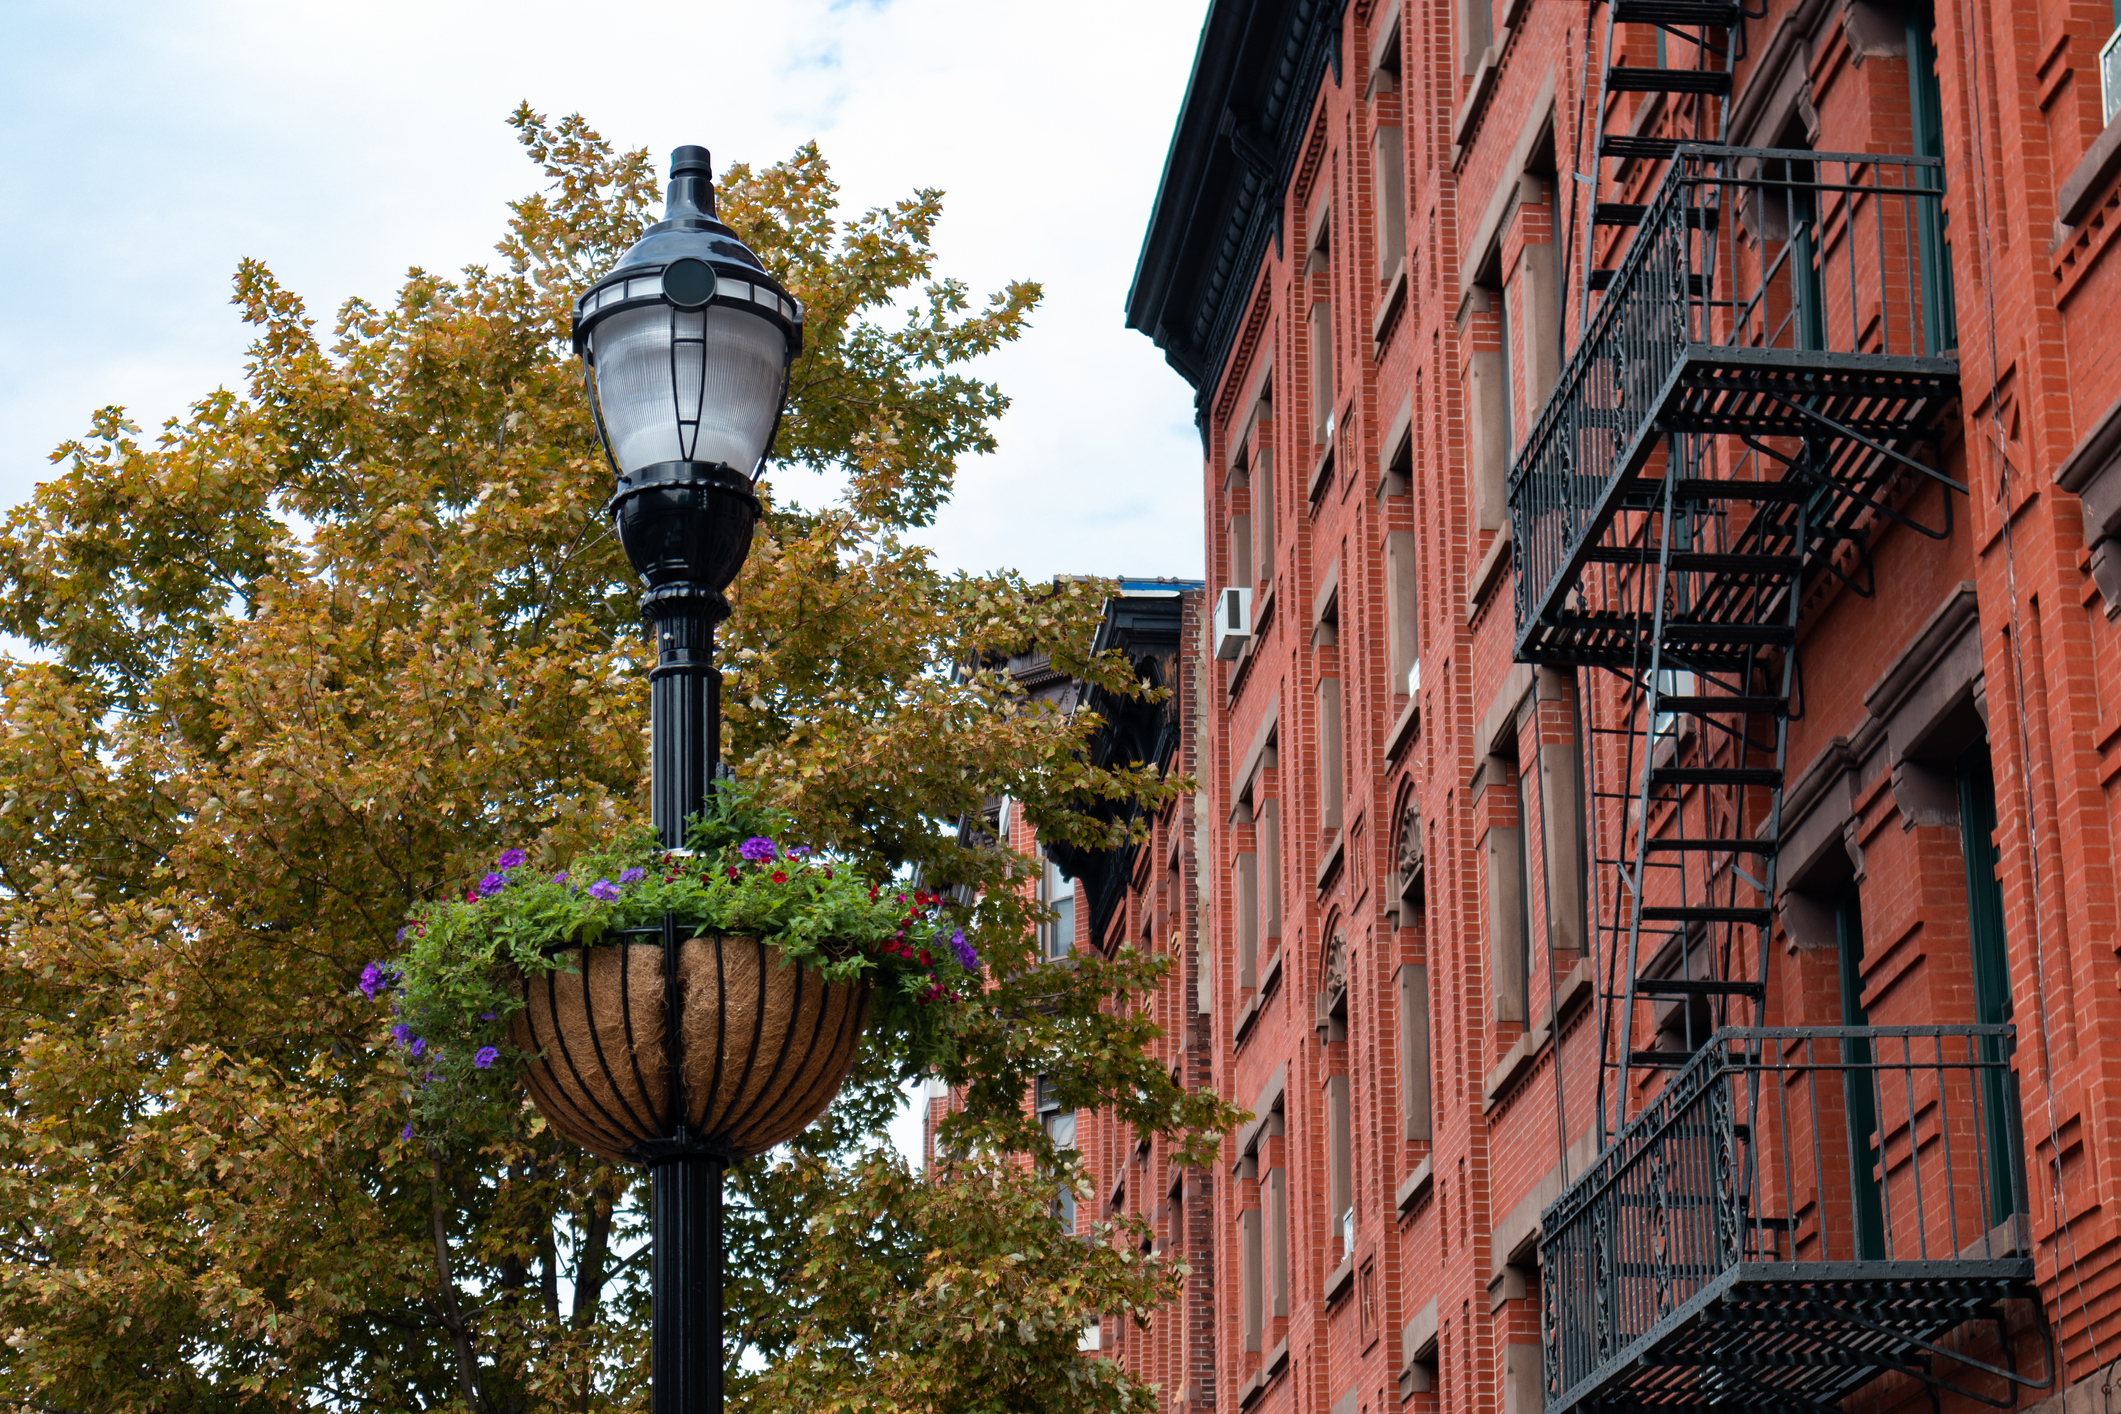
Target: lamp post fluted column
(684, 707)
(685, 347)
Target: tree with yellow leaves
(313, 654)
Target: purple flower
(492, 884)
(487, 1056)
(798, 851)
(758, 849)
(604, 889)
(406, 1132)
(417, 1047)
(401, 1033)
(632, 876)
(510, 859)
(374, 979)
(560, 878)
(485, 1016)
(967, 958)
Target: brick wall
(1488, 755)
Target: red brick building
(1661, 717)
(1149, 896)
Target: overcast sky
(151, 146)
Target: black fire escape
(1778, 1215)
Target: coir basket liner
(760, 1046)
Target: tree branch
(452, 1316)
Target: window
(1262, 483)
(1859, 1080)
(1536, 290)
(1058, 894)
(1414, 1052)
(1322, 374)
(1476, 22)
(1499, 297)
(1387, 161)
(1509, 932)
(1487, 378)
(1402, 612)
(1276, 1198)
(1241, 541)
(1268, 827)
(1671, 682)
(1059, 1125)
(1245, 877)
(1391, 202)
(1317, 264)
(1940, 314)
(1249, 1254)
(1340, 1187)
(1524, 904)
(1992, 974)
(1329, 752)
(1278, 1241)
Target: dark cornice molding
(1146, 625)
(1239, 136)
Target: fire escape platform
(1720, 390)
(1773, 321)
(1798, 1336)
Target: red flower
(779, 877)
(872, 893)
(926, 961)
(734, 873)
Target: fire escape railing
(1795, 1213)
(1767, 293)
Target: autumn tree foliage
(315, 652)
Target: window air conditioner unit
(1233, 622)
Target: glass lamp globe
(685, 347)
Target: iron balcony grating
(1796, 1336)
(1797, 1212)
(1779, 299)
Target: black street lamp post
(685, 347)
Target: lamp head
(685, 347)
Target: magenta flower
(758, 849)
(487, 1056)
(604, 889)
(510, 859)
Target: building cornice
(1240, 134)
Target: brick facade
(1403, 979)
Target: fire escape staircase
(1758, 388)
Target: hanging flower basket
(725, 1042)
(713, 1000)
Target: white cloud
(151, 147)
